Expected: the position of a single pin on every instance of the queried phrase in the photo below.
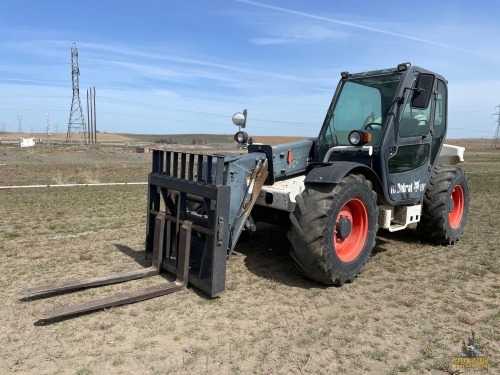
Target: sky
(186, 66)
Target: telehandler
(379, 161)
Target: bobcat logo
(416, 185)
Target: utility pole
(76, 123)
(2, 126)
(91, 115)
(494, 143)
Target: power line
(225, 116)
(32, 109)
(317, 125)
(162, 107)
(38, 95)
(197, 112)
(198, 122)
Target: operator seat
(409, 127)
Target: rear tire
(333, 229)
(445, 205)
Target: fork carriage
(191, 228)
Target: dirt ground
(408, 313)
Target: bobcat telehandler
(379, 162)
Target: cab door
(408, 164)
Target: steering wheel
(370, 126)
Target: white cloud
(297, 33)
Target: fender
(326, 173)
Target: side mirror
(423, 91)
(240, 119)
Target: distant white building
(26, 142)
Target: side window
(439, 119)
(327, 137)
(414, 122)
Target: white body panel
(451, 155)
(398, 217)
(281, 195)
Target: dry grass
(407, 313)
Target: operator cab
(386, 121)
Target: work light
(241, 137)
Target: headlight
(355, 138)
(241, 137)
(359, 138)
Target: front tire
(333, 229)
(445, 205)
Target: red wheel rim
(348, 248)
(456, 213)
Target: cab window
(439, 119)
(414, 122)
